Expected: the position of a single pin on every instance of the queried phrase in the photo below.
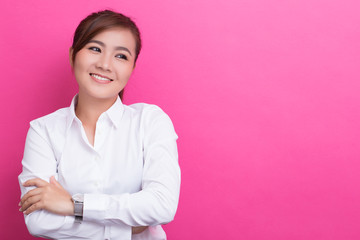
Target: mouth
(101, 78)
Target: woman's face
(104, 65)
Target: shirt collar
(115, 112)
(71, 115)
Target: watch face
(78, 208)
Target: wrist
(78, 203)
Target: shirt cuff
(95, 206)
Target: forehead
(117, 36)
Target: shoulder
(147, 113)
(153, 120)
(51, 121)
(145, 108)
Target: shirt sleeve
(157, 202)
(39, 162)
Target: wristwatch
(78, 200)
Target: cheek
(80, 65)
(77, 73)
(81, 59)
(124, 73)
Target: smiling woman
(100, 169)
(96, 23)
(104, 65)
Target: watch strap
(78, 200)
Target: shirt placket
(101, 132)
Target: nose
(104, 63)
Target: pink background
(263, 94)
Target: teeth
(100, 78)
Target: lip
(99, 80)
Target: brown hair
(98, 22)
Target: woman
(100, 169)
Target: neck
(88, 109)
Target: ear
(70, 57)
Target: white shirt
(130, 177)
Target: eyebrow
(116, 48)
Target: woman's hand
(137, 230)
(48, 196)
(53, 198)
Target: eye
(95, 49)
(121, 56)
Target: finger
(34, 207)
(54, 182)
(37, 182)
(29, 194)
(29, 202)
(137, 230)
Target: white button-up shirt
(130, 177)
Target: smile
(101, 78)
